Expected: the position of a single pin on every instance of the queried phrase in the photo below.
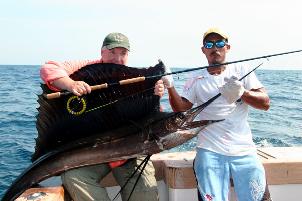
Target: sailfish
(118, 121)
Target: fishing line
(80, 104)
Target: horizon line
(275, 68)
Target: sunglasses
(218, 44)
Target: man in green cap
(83, 184)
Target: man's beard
(217, 58)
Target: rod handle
(99, 86)
(132, 80)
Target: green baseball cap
(114, 40)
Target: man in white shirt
(225, 149)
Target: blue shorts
(213, 172)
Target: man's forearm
(177, 102)
(256, 98)
(63, 83)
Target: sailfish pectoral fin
(201, 123)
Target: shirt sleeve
(251, 81)
(53, 70)
(188, 90)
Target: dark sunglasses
(218, 44)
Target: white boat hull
(176, 180)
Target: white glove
(168, 79)
(232, 90)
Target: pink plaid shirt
(53, 70)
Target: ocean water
(280, 126)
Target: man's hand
(168, 79)
(79, 88)
(159, 88)
(232, 90)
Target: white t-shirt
(232, 136)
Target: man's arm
(257, 98)
(178, 103)
(233, 89)
(78, 88)
(56, 76)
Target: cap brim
(117, 45)
(214, 32)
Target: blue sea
(20, 85)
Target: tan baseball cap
(216, 31)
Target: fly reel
(76, 105)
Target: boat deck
(176, 181)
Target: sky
(36, 31)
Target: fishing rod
(143, 164)
(143, 78)
(227, 63)
(83, 105)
